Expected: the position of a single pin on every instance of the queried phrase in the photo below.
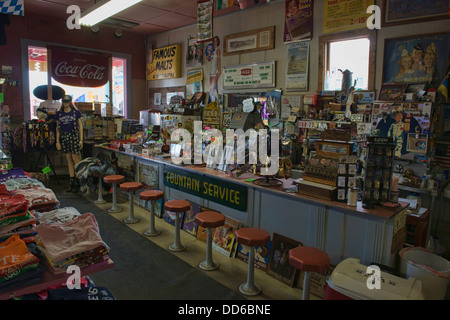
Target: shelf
(417, 190)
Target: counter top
(379, 212)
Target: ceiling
(153, 16)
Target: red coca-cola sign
(79, 68)
(246, 72)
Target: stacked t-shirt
(75, 242)
(16, 259)
(58, 215)
(16, 219)
(18, 182)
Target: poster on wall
(407, 123)
(194, 53)
(400, 12)
(213, 56)
(166, 63)
(205, 20)
(414, 59)
(344, 15)
(194, 82)
(255, 75)
(297, 66)
(298, 20)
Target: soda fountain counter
(374, 236)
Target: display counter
(373, 236)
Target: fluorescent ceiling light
(103, 10)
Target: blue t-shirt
(68, 120)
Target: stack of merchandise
(58, 215)
(19, 265)
(75, 242)
(15, 217)
(39, 197)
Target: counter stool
(308, 259)
(177, 206)
(100, 188)
(114, 180)
(208, 220)
(130, 187)
(251, 237)
(152, 196)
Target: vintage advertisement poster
(166, 63)
(205, 20)
(194, 82)
(344, 15)
(248, 76)
(298, 20)
(297, 65)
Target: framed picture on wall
(391, 92)
(400, 12)
(249, 41)
(417, 58)
(297, 66)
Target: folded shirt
(15, 258)
(61, 215)
(36, 196)
(62, 240)
(12, 204)
(22, 183)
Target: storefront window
(37, 61)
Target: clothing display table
(49, 279)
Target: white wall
(269, 14)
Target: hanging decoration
(205, 20)
(14, 7)
(298, 20)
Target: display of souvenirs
(5, 142)
(346, 179)
(321, 173)
(408, 124)
(378, 172)
(211, 116)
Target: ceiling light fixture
(103, 10)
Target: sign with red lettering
(79, 68)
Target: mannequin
(69, 137)
(41, 114)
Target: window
(354, 51)
(37, 72)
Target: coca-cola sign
(79, 68)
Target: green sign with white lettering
(223, 192)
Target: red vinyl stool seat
(308, 259)
(177, 206)
(152, 196)
(130, 187)
(100, 188)
(251, 237)
(114, 180)
(209, 220)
